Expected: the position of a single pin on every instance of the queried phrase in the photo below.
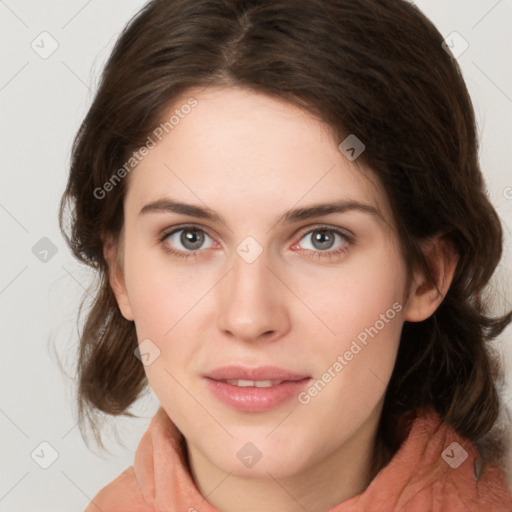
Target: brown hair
(365, 67)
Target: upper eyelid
(175, 229)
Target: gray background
(43, 101)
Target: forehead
(247, 154)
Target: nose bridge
(252, 302)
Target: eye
(185, 239)
(322, 241)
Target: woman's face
(264, 284)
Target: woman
(284, 204)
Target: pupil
(325, 240)
(192, 239)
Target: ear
(424, 298)
(113, 254)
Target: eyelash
(309, 252)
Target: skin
(250, 158)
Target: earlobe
(423, 296)
(112, 255)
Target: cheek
(368, 356)
(346, 300)
(362, 308)
(160, 294)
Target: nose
(253, 302)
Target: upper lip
(237, 372)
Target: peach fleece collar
(421, 477)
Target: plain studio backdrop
(52, 55)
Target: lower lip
(253, 399)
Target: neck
(344, 473)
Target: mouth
(254, 389)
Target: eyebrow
(289, 217)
